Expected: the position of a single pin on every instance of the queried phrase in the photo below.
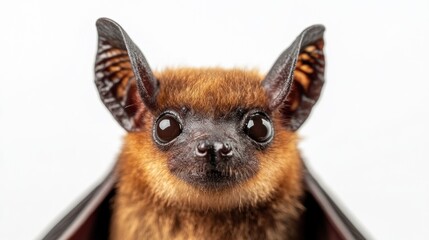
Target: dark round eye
(259, 128)
(167, 128)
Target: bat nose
(220, 149)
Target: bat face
(209, 137)
(210, 127)
(213, 153)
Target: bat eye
(259, 128)
(167, 128)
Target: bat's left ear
(294, 83)
(123, 77)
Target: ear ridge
(295, 81)
(122, 75)
(307, 84)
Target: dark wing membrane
(90, 218)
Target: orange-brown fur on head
(145, 181)
(210, 90)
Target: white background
(367, 139)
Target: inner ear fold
(124, 79)
(295, 81)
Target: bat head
(209, 137)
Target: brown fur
(151, 203)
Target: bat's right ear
(296, 79)
(124, 79)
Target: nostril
(202, 149)
(217, 148)
(226, 150)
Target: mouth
(212, 178)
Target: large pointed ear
(294, 83)
(124, 79)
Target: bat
(210, 153)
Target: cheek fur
(281, 163)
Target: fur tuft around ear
(122, 75)
(295, 81)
